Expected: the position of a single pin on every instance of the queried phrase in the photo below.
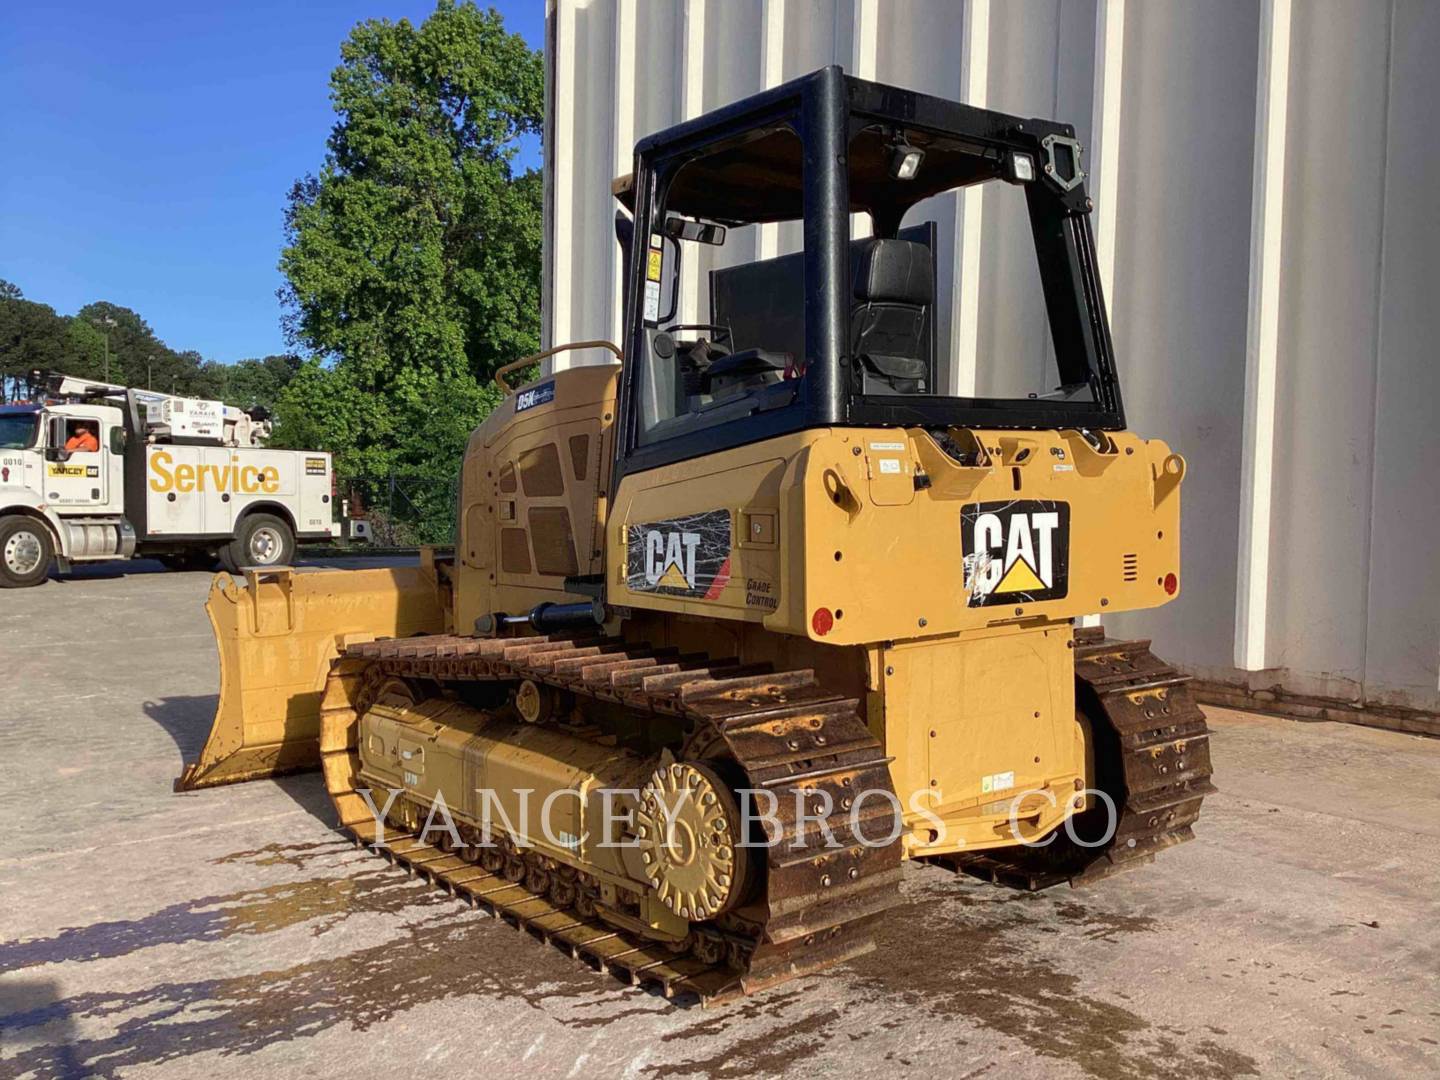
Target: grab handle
(516, 365)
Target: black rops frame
(825, 108)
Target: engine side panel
(532, 499)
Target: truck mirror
(55, 439)
(701, 232)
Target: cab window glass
(724, 310)
(82, 436)
(17, 431)
(905, 296)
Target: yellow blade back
(277, 633)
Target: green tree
(137, 357)
(259, 382)
(412, 260)
(32, 337)
(418, 429)
(86, 350)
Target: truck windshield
(17, 431)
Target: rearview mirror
(55, 439)
(701, 232)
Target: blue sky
(146, 151)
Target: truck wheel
(25, 552)
(261, 540)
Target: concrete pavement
(231, 933)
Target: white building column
(864, 64)
(560, 147)
(1262, 336)
(864, 38)
(1105, 135)
(692, 104)
(623, 128)
(1104, 165)
(965, 296)
(772, 74)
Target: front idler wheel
(687, 828)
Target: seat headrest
(895, 271)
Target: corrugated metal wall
(1263, 173)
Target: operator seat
(894, 288)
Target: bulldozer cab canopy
(810, 222)
(758, 178)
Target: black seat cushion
(895, 271)
(894, 286)
(889, 337)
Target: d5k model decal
(685, 556)
(1015, 552)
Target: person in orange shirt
(85, 440)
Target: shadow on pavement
(351, 885)
(452, 954)
(307, 791)
(40, 1003)
(186, 719)
(107, 571)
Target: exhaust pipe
(547, 618)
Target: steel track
(789, 735)
(782, 730)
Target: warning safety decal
(654, 264)
(685, 556)
(1015, 552)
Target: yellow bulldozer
(734, 627)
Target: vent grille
(1130, 567)
(514, 551)
(554, 544)
(540, 471)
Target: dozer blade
(277, 632)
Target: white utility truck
(99, 471)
